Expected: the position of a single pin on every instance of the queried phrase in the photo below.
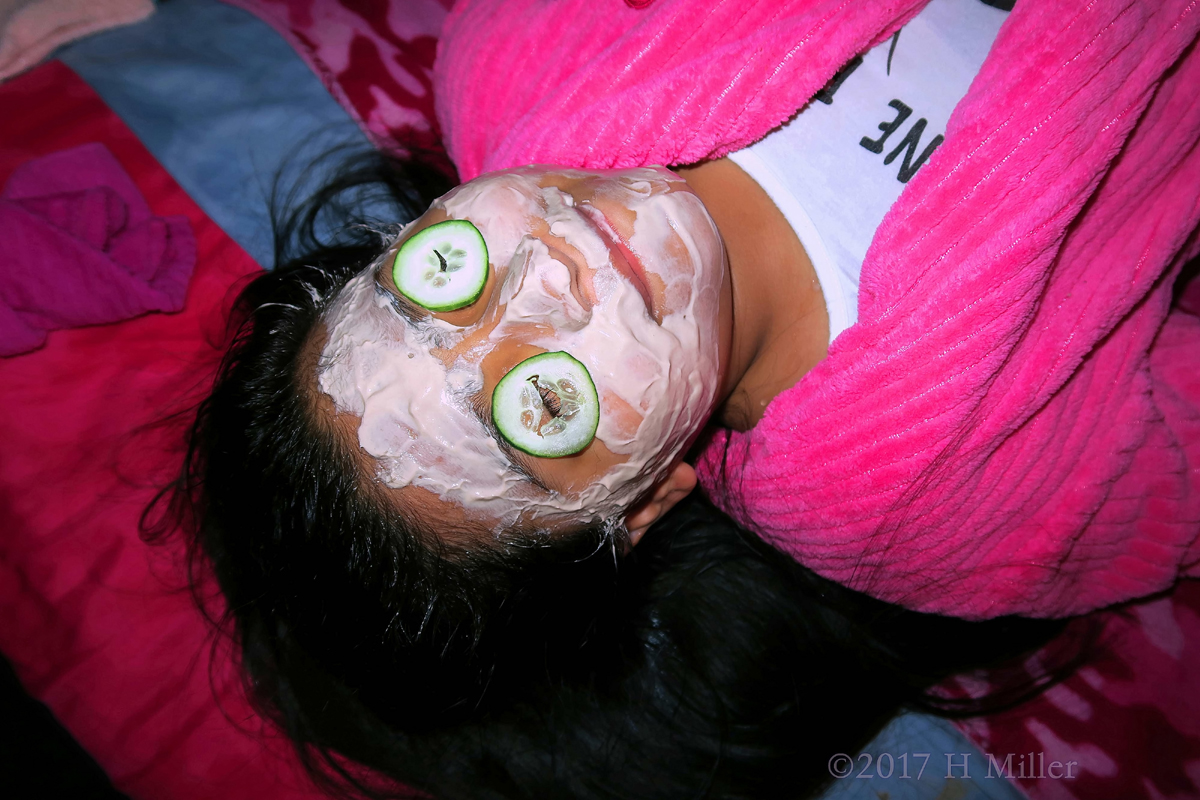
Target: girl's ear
(678, 484)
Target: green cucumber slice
(444, 267)
(547, 406)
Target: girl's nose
(547, 292)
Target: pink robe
(1013, 426)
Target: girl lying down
(446, 477)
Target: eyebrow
(518, 460)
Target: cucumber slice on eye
(547, 406)
(444, 267)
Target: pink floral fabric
(1129, 719)
(374, 57)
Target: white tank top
(836, 168)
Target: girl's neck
(780, 325)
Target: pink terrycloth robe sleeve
(1013, 426)
(597, 84)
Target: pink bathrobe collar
(1013, 426)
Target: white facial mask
(657, 383)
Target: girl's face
(624, 270)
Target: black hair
(704, 663)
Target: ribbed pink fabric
(1013, 426)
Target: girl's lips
(623, 259)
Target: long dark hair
(705, 663)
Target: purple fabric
(81, 247)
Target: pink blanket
(97, 625)
(1013, 426)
